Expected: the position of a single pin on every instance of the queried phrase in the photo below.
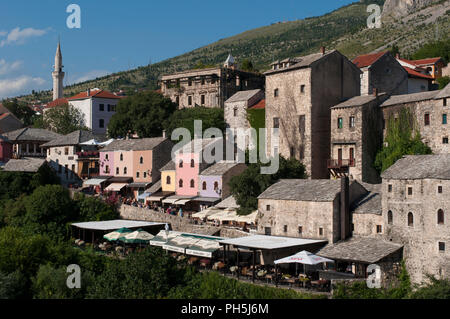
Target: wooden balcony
(340, 167)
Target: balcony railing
(90, 154)
(340, 163)
(91, 172)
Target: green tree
(247, 65)
(143, 113)
(63, 119)
(94, 209)
(433, 50)
(401, 139)
(13, 285)
(184, 118)
(434, 289)
(48, 209)
(247, 186)
(443, 82)
(148, 274)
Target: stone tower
(58, 75)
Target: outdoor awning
(170, 200)
(180, 243)
(203, 248)
(94, 182)
(115, 187)
(206, 212)
(161, 238)
(248, 219)
(182, 201)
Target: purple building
(106, 163)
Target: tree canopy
(247, 186)
(184, 118)
(401, 139)
(63, 119)
(433, 50)
(142, 113)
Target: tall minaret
(58, 75)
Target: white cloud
(6, 67)
(90, 76)
(17, 36)
(20, 85)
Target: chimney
(322, 50)
(345, 208)
(375, 92)
(88, 92)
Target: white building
(97, 106)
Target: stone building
(382, 71)
(430, 111)
(356, 135)
(416, 213)
(27, 142)
(8, 121)
(315, 209)
(64, 154)
(209, 87)
(299, 95)
(366, 213)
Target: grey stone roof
(420, 167)
(219, 168)
(74, 138)
(370, 203)
(170, 166)
(27, 164)
(444, 93)
(229, 202)
(154, 188)
(302, 62)
(356, 101)
(366, 249)
(319, 190)
(409, 98)
(243, 96)
(32, 134)
(142, 144)
(4, 138)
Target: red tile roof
(57, 102)
(260, 105)
(413, 73)
(425, 61)
(2, 116)
(94, 93)
(363, 61)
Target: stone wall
(365, 224)
(421, 239)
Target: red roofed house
(98, 106)
(432, 66)
(420, 73)
(381, 71)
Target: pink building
(188, 166)
(6, 149)
(139, 159)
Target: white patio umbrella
(91, 142)
(304, 257)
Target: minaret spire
(58, 74)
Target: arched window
(216, 185)
(235, 110)
(117, 171)
(180, 183)
(181, 164)
(106, 157)
(410, 219)
(390, 217)
(121, 157)
(168, 180)
(204, 186)
(192, 183)
(141, 160)
(440, 217)
(124, 171)
(192, 163)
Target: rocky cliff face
(400, 8)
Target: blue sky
(119, 35)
